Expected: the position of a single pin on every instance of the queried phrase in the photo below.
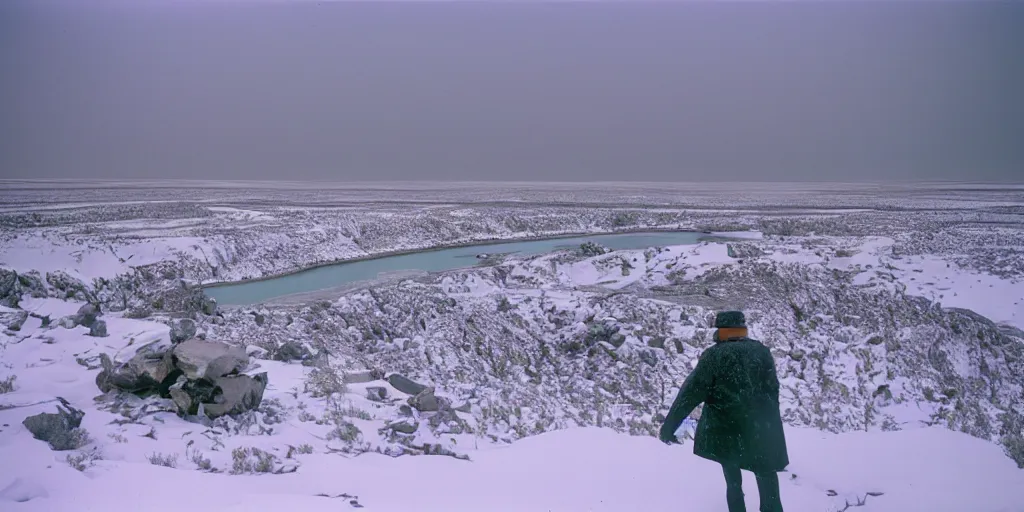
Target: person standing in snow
(740, 426)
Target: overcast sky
(486, 91)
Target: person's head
(731, 325)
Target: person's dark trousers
(767, 487)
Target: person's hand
(668, 438)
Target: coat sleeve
(772, 378)
(693, 391)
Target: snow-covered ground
(574, 469)
(557, 367)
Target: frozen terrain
(536, 383)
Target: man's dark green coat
(740, 424)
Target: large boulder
(204, 359)
(237, 394)
(87, 315)
(181, 330)
(60, 430)
(405, 385)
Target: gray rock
(203, 359)
(426, 401)
(236, 394)
(318, 360)
(143, 373)
(741, 250)
(446, 417)
(10, 289)
(617, 339)
(648, 357)
(70, 287)
(656, 342)
(405, 385)
(258, 318)
(363, 376)
(464, 408)
(209, 306)
(377, 393)
(797, 354)
(18, 321)
(181, 397)
(98, 329)
(405, 410)
(68, 322)
(292, 351)
(188, 395)
(405, 426)
(87, 315)
(182, 330)
(59, 430)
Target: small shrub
(82, 461)
(306, 416)
(201, 462)
(7, 384)
(354, 412)
(345, 431)
(303, 449)
(167, 461)
(77, 438)
(251, 460)
(118, 438)
(323, 382)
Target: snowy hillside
(535, 383)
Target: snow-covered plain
(852, 302)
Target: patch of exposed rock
(61, 430)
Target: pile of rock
(201, 377)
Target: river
(431, 260)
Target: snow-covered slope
(574, 469)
